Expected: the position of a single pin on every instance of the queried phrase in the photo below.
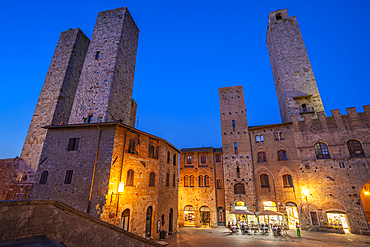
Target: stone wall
(64, 224)
(105, 87)
(57, 94)
(295, 83)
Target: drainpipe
(252, 167)
(120, 173)
(93, 177)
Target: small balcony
(305, 110)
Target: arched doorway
(170, 223)
(125, 219)
(189, 216)
(365, 199)
(292, 211)
(221, 216)
(205, 216)
(148, 224)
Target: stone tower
(237, 162)
(57, 94)
(104, 92)
(295, 83)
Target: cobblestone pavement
(222, 237)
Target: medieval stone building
(312, 168)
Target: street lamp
(306, 193)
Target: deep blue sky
(187, 50)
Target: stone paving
(222, 237)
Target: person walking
(298, 229)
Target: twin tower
(87, 81)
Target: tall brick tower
(295, 83)
(57, 94)
(237, 162)
(104, 92)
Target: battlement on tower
(350, 121)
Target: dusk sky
(187, 50)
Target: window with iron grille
(355, 149)
(321, 150)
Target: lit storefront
(291, 209)
(338, 220)
(189, 216)
(270, 219)
(249, 219)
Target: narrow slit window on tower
(236, 147)
(278, 17)
(233, 123)
(89, 119)
(97, 55)
(68, 177)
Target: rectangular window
(174, 180)
(167, 180)
(68, 178)
(218, 158)
(341, 165)
(73, 144)
(219, 184)
(97, 55)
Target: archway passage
(189, 216)
(205, 215)
(365, 199)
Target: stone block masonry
(104, 92)
(57, 94)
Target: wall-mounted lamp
(121, 187)
(366, 193)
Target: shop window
(73, 144)
(321, 150)
(130, 178)
(287, 181)
(191, 181)
(200, 181)
(186, 181)
(68, 177)
(203, 159)
(167, 180)
(239, 188)
(173, 180)
(218, 158)
(152, 179)
(168, 157)
(44, 177)
(188, 160)
(131, 146)
(206, 181)
(236, 148)
(261, 138)
(264, 181)
(282, 155)
(355, 149)
(219, 184)
(174, 159)
(278, 136)
(257, 139)
(261, 157)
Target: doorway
(205, 216)
(148, 223)
(291, 209)
(221, 216)
(125, 219)
(189, 216)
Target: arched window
(126, 219)
(321, 150)
(239, 188)
(261, 157)
(152, 179)
(151, 151)
(168, 157)
(186, 181)
(131, 146)
(282, 155)
(355, 149)
(287, 181)
(200, 181)
(278, 136)
(236, 147)
(148, 222)
(188, 160)
(191, 181)
(261, 138)
(174, 159)
(203, 159)
(233, 123)
(44, 177)
(206, 181)
(257, 139)
(130, 178)
(264, 181)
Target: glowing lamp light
(366, 193)
(121, 186)
(305, 192)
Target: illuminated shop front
(189, 216)
(338, 220)
(291, 209)
(271, 219)
(249, 219)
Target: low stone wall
(64, 224)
